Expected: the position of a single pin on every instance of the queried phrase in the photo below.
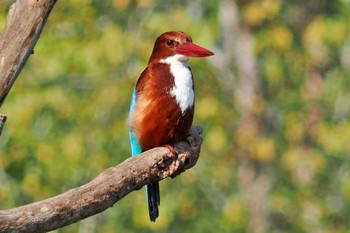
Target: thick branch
(103, 191)
(25, 21)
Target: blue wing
(135, 147)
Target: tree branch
(103, 191)
(25, 22)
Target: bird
(162, 103)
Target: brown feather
(157, 119)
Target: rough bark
(103, 191)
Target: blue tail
(152, 190)
(153, 200)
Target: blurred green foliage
(67, 115)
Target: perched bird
(162, 105)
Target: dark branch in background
(238, 74)
(103, 191)
(25, 22)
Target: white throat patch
(183, 88)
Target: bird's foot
(170, 148)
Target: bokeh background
(274, 103)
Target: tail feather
(153, 200)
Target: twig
(2, 122)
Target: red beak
(193, 50)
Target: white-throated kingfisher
(162, 104)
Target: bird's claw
(171, 149)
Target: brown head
(175, 42)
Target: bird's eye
(170, 42)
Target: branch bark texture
(103, 191)
(25, 22)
